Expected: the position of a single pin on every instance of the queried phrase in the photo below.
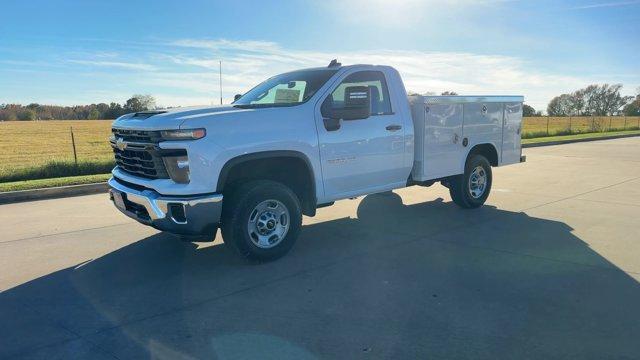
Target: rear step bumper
(188, 215)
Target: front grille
(143, 136)
(141, 162)
(138, 153)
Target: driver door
(365, 155)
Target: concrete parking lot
(548, 269)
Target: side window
(374, 80)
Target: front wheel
(261, 220)
(471, 189)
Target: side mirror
(236, 97)
(357, 104)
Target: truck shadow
(397, 281)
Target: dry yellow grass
(27, 144)
(578, 124)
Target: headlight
(177, 167)
(187, 134)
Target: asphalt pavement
(549, 268)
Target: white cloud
(115, 64)
(224, 44)
(186, 72)
(246, 63)
(606, 4)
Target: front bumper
(188, 215)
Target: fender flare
(231, 163)
(471, 149)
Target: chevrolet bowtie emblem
(120, 144)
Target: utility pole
(220, 82)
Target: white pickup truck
(300, 141)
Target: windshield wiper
(244, 106)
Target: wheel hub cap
(477, 182)
(268, 223)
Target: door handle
(393, 127)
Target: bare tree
(594, 100)
(528, 110)
(147, 102)
(633, 108)
(605, 99)
(578, 100)
(561, 106)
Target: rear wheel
(471, 189)
(261, 220)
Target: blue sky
(84, 51)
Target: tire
(465, 190)
(261, 220)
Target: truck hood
(172, 118)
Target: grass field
(545, 139)
(28, 148)
(47, 183)
(43, 149)
(533, 127)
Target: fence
(549, 125)
(32, 144)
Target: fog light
(178, 213)
(178, 168)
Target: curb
(52, 193)
(87, 189)
(569, 141)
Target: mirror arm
(331, 124)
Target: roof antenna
(334, 63)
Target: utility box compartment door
(442, 140)
(483, 124)
(511, 142)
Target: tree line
(11, 112)
(595, 100)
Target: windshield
(285, 89)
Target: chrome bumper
(189, 215)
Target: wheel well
(293, 171)
(486, 150)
